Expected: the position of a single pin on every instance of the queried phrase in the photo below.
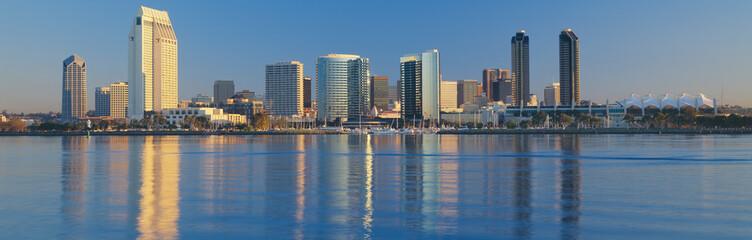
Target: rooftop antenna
(721, 95)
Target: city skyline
(610, 60)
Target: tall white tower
(152, 63)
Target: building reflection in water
(523, 188)
(368, 215)
(110, 187)
(159, 192)
(570, 187)
(411, 202)
(74, 180)
(448, 185)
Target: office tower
(247, 94)
(152, 63)
(102, 102)
(520, 69)
(420, 79)
(448, 95)
(339, 79)
(223, 89)
(394, 93)
(551, 95)
(118, 100)
(489, 77)
(306, 92)
(358, 88)
(74, 88)
(466, 91)
(284, 89)
(380, 92)
(569, 67)
(505, 90)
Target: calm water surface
(376, 187)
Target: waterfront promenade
(464, 132)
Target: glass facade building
(339, 79)
(420, 82)
(74, 88)
(520, 69)
(569, 67)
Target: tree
(563, 120)
(539, 119)
(526, 124)
(261, 121)
(511, 124)
(14, 125)
(201, 123)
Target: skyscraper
(551, 95)
(420, 79)
(152, 63)
(358, 88)
(489, 77)
(339, 78)
(102, 102)
(74, 88)
(448, 95)
(380, 92)
(466, 91)
(505, 89)
(569, 67)
(112, 101)
(118, 100)
(284, 89)
(520, 69)
(223, 89)
(306, 92)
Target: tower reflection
(411, 173)
(570, 187)
(522, 188)
(159, 189)
(74, 180)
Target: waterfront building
(238, 104)
(551, 95)
(520, 69)
(448, 95)
(466, 91)
(102, 102)
(491, 77)
(223, 89)
(358, 88)
(214, 115)
(380, 92)
(569, 67)
(420, 76)
(152, 63)
(118, 100)
(342, 83)
(74, 88)
(284, 89)
(306, 92)
(247, 94)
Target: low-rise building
(215, 115)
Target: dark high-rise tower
(520, 69)
(380, 92)
(307, 92)
(569, 67)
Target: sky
(625, 46)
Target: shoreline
(457, 132)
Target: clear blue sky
(626, 46)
